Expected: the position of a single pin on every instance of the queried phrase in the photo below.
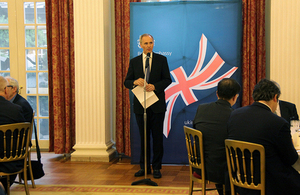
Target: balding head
(3, 84)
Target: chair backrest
(246, 165)
(194, 145)
(14, 141)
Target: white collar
(145, 55)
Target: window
(23, 56)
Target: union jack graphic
(204, 76)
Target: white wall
(283, 47)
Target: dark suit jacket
(159, 77)
(9, 113)
(257, 124)
(288, 111)
(27, 110)
(211, 119)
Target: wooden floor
(60, 170)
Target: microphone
(147, 60)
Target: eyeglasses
(9, 86)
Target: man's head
(268, 92)
(146, 43)
(228, 89)
(3, 87)
(12, 87)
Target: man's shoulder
(11, 106)
(21, 101)
(216, 104)
(212, 107)
(156, 55)
(15, 106)
(240, 110)
(136, 58)
(285, 103)
(207, 104)
(19, 98)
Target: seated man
(257, 123)
(9, 113)
(14, 97)
(286, 110)
(211, 119)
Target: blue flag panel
(202, 42)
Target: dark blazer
(159, 77)
(257, 124)
(10, 113)
(211, 119)
(27, 110)
(288, 111)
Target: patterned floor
(101, 189)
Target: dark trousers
(3, 180)
(155, 129)
(220, 189)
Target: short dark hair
(265, 90)
(228, 88)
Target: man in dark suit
(14, 97)
(257, 123)
(159, 79)
(211, 119)
(287, 110)
(9, 113)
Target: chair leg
(191, 186)
(30, 169)
(204, 188)
(8, 185)
(25, 183)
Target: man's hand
(150, 87)
(139, 82)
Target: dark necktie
(147, 69)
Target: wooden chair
(246, 165)
(194, 145)
(14, 144)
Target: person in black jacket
(257, 123)
(286, 110)
(211, 119)
(9, 113)
(14, 97)
(159, 79)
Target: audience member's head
(12, 87)
(3, 87)
(228, 89)
(265, 90)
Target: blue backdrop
(202, 42)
